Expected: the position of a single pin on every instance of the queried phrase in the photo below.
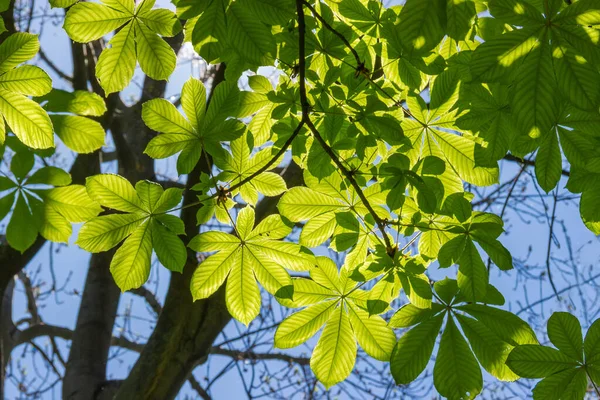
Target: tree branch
(53, 66)
(250, 355)
(54, 331)
(529, 163)
(149, 297)
(306, 118)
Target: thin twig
(550, 237)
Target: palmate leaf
(489, 115)
(144, 226)
(565, 370)
(429, 137)
(406, 273)
(483, 229)
(241, 164)
(138, 38)
(254, 253)
(238, 33)
(331, 206)
(203, 130)
(550, 49)
(25, 118)
(334, 300)
(40, 208)
(490, 335)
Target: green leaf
(193, 102)
(21, 231)
(412, 352)
(125, 6)
(116, 64)
(372, 333)
(169, 249)
(49, 176)
(242, 295)
(515, 12)
(302, 325)
(494, 249)
(72, 202)
(157, 59)
(422, 24)
(290, 255)
(213, 241)
(245, 222)
(567, 384)
(17, 49)
(168, 200)
(130, 266)
(592, 343)
(249, 37)
(27, 120)
(28, 80)
(6, 202)
(209, 32)
(589, 207)
(576, 78)
(301, 203)
(269, 184)
(105, 232)
(85, 22)
(271, 275)
(472, 274)
(535, 361)
(80, 134)
(564, 332)
(21, 163)
(149, 193)
(504, 324)
(446, 289)
(161, 21)
(535, 103)
(271, 12)
(78, 102)
(494, 60)
(409, 315)
(51, 225)
(6, 183)
(490, 350)
(582, 12)
(334, 355)
(272, 227)
(62, 3)
(456, 374)
(211, 274)
(114, 191)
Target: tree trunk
(86, 367)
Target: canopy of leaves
(393, 114)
